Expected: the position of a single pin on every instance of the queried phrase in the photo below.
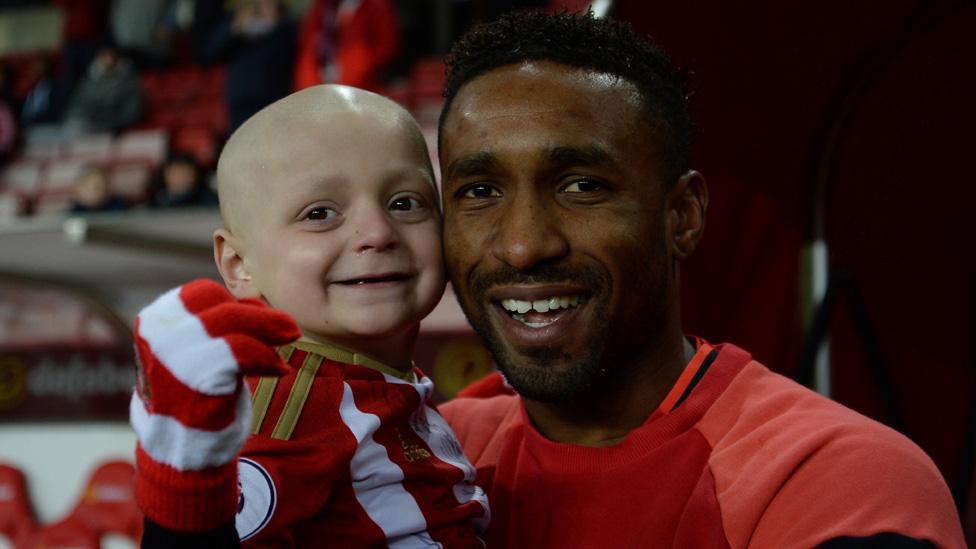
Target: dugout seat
(107, 504)
(17, 522)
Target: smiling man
(568, 206)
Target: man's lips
(538, 315)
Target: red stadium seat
(63, 534)
(108, 503)
(197, 141)
(17, 521)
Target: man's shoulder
(786, 451)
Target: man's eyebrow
(472, 164)
(565, 157)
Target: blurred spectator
(85, 27)
(180, 182)
(346, 42)
(91, 194)
(108, 98)
(8, 120)
(46, 99)
(143, 29)
(257, 41)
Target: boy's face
(340, 229)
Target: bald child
(330, 252)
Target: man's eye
(480, 191)
(405, 204)
(320, 214)
(583, 186)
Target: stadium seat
(67, 533)
(94, 148)
(17, 521)
(51, 204)
(130, 181)
(61, 175)
(197, 141)
(11, 207)
(22, 177)
(141, 146)
(108, 503)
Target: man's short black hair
(583, 41)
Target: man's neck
(625, 403)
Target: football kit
(735, 456)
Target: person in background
(180, 182)
(85, 27)
(8, 120)
(347, 42)
(92, 194)
(257, 41)
(108, 98)
(46, 99)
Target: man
(568, 206)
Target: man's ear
(687, 204)
(229, 256)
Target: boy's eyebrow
(472, 164)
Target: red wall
(770, 81)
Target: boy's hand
(190, 410)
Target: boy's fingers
(261, 322)
(202, 294)
(255, 358)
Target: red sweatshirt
(736, 456)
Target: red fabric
(196, 500)
(488, 386)
(16, 514)
(84, 20)
(749, 455)
(368, 38)
(186, 501)
(108, 503)
(66, 533)
(320, 453)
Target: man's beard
(537, 380)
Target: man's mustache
(544, 273)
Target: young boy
(330, 217)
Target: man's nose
(527, 233)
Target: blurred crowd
(195, 70)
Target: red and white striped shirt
(347, 452)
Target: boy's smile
(336, 223)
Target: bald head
(306, 124)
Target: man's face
(554, 224)
(341, 230)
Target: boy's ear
(229, 257)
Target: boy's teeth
(521, 307)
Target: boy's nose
(374, 231)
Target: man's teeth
(521, 307)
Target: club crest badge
(257, 500)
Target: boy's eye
(582, 186)
(405, 204)
(320, 213)
(480, 190)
